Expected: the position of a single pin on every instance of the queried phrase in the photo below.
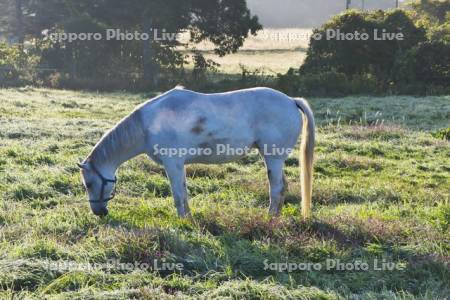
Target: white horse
(182, 127)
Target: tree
(356, 57)
(225, 22)
(7, 18)
(437, 10)
(19, 22)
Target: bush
(428, 63)
(326, 83)
(361, 56)
(17, 67)
(443, 134)
(338, 67)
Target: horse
(182, 127)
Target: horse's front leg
(175, 171)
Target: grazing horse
(182, 127)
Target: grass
(275, 49)
(381, 192)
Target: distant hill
(306, 13)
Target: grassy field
(271, 51)
(381, 197)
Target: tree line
(226, 23)
(417, 64)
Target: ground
(380, 198)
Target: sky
(306, 13)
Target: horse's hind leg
(277, 183)
(177, 177)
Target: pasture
(381, 198)
(271, 51)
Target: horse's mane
(124, 133)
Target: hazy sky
(305, 13)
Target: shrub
(361, 56)
(443, 134)
(338, 67)
(427, 63)
(326, 83)
(17, 67)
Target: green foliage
(440, 32)
(327, 83)
(425, 65)
(443, 134)
(212, 81)
(136, 63)
(417, 64)
(370, 56)
(16, 66)
(433, 10)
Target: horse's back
(244, 118)
(242, 103)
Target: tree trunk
(347, 4)
(148, 63)
(19, 22)
(73, 65)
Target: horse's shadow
(207, 253)
(222, 250)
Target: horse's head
(99, 188)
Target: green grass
(381, 192)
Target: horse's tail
(306, 155)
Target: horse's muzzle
(101, 212)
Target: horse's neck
(116, 158)
(117, 147)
